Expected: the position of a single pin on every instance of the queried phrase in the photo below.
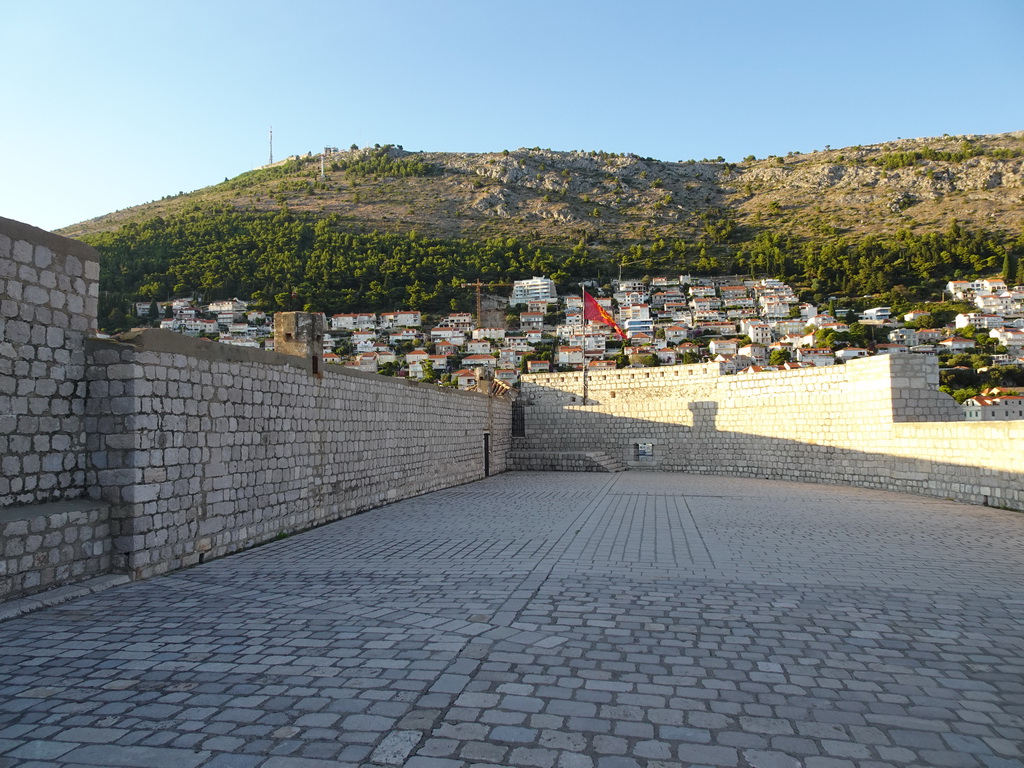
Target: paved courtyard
(543, 619)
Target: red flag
(595, 312)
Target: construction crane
(479, 296)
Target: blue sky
(112, 103)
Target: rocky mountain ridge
(612, 200)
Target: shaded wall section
(879, 422)
(203, 449)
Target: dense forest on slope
(287, 261)
(381, 228)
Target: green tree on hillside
(429, 376)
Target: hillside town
(747, 326)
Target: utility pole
(271, 162)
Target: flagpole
(583, 298)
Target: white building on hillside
(408, 318)
(876, 315)
(978, 320)
(535, 289)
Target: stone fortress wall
(203, 449)
(155, 451)
(879, 422)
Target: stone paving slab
(553, 621)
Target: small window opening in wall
(643, 451)
(612, 394)
(518, 420)
(287, 337)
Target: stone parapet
(205, 449)
(878, 422)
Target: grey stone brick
(699, 754)
(114, 756)
(513, 734)
(770, 759)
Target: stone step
(609, 463)
(564, 461)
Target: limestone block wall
(623, 407)
(47, 545)
(204, 449)
(879, 422)
(48, 294)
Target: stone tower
(300, 334)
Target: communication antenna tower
(271, 146)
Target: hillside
(383, 228)
(557, 198)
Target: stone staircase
(609, 463)
(564, 461)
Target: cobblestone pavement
(541, 620)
